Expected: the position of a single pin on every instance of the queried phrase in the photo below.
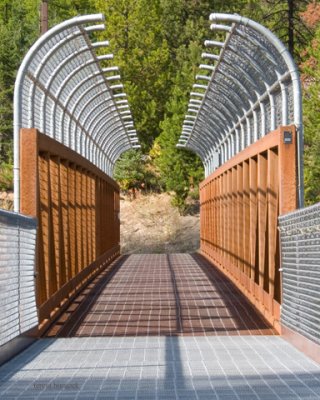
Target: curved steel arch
(253, 65)
(60, 65)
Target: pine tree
(284, 18)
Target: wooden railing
(77, 207)
(240, 205)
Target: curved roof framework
(62, 90)
(249, 86)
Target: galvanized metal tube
(297, 93)
(18, 89)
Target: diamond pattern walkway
(161, 294)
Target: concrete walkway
(185, 367)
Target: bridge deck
(169, 295)
(160, 294)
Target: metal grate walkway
(160, 294)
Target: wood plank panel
(243, 200)
(59, 188)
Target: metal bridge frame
(252, 89)
(62, 90)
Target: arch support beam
(250, 87)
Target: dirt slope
(150, 224)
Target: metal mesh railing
(300, 244)
(64, 90)
(249, 87)
(17, 275)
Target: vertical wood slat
(215, 216)
(262, 214)
(93, 216)
(84, 225)
(224, 205)
(103, 197)
(79, 244)
(247, 194)
(209, 213)
(240, 216)
(72, 220)
(98, 216)
(52, 276)
(229, 217)
(235, 216)
(246, 219)
(64, 188)
(89, 217)
(220, 218)
(273, 201)
(43, 278)
(61, 192)
(56, 218)
(253, 216)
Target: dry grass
(150, 224)
(6, 200)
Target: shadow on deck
(160, 294)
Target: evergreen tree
(142, 53)
(311, 108)
(18, 29)
(284, 18)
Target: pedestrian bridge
(215, 324)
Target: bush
(6, 176)
(133, 171)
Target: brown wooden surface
(75, 204)
(242, 201)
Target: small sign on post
(287, 137)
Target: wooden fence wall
(240, 205)
(77, 207)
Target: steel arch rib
(73, 93)
(251, 72)
(72, 75)
(45, 74)
(17, 123)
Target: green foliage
(142, 53)
(6, 176)
(133, 171)
(157, 45)
(16, 34)
(284, 18)
(311, 103)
